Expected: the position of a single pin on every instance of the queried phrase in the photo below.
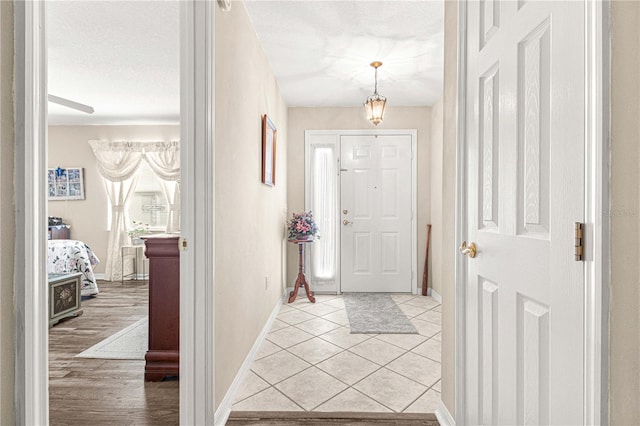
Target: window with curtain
(323, 205)
(148, 203)
(118, 163)
(321, 197)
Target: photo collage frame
(65, 183)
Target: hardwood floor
(103, 391)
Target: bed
(67, 256)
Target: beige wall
(68, 147)
(301, 119)
(624, 359)
(250, 216)
(435, 159)
(6, 214)
(447, 238)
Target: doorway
(128, 148)
(361, 188)
(196, 299)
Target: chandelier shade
(375, 104)
(375, 108)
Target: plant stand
(302, 280)
(137, 250)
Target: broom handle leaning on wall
(425, 276)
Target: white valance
(164, 159)
(119, 160)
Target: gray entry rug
(375, 313)
(129, 343)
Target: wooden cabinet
(163, 357)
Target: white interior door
(524, 190)
(376, 213)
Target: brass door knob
(346, 222)
(471, 250)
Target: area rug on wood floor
(374, 313)
(129, 343)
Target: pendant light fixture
(375, 103)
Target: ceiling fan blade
(71, 104)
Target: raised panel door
(524, 150)
(375, 201)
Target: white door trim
(596, 203)
(597, 271)
(197, 216)
(414, 192)
(460, 275)
(196, 292)
(31, 404)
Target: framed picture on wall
(268, 151)
(65, 184)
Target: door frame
(596, 265)
(31, 404)
(336, 136)
(197, 78)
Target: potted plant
(301, 227)
(137, 229)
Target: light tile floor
(310, 361)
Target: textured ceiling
(320, 51)
(122, 57)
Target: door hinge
(579, 242)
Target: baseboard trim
(443, 415)
(99, 276)
(224, 409)
(436, 296)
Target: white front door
(375, 213)
(524, 147)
